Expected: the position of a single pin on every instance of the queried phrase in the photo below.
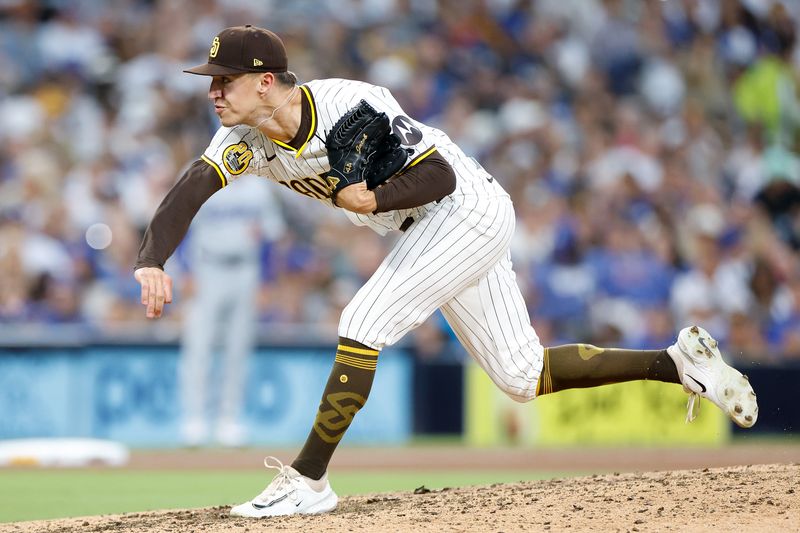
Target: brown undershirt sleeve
(172, 218)
(432, 178)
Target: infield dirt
(743, 498)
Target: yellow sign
(637, 412)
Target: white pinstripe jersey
(239, 149)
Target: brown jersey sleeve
(176, 211)
(428, 179)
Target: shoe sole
(736, 396)
(325, 505)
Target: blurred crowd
(650, 147)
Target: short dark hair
(288, 78)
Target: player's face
(234, 98)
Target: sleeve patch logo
(236, 158)
(408, 133)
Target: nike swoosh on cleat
(703, 342)
(701, 385)
(298, 503)
(270, 504)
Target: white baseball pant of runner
(456, 258)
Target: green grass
(43, 494)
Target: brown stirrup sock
(574, 366)
(346, 392)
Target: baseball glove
(361, 147)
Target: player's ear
(266, 80)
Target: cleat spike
(694, 330)
(748, 418)
(738, 409)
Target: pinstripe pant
(456, 259)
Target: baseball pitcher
(350, 146)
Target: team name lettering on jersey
(316, 187)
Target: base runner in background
(224, 259)
(456, 223)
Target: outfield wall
(128, 393)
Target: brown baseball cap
(243, 49)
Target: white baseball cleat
(705, 374)
(289, 493)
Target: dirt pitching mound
(748, 498)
